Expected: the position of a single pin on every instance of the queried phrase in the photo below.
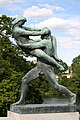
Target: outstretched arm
(31, 29)
(31, 33)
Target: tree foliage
(76, 66)
(76, 73)
(12, 67)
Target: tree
(76, 66)
(76, 74)
(12, 66)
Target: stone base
(42, 112)
(42, 108)
(45, 116)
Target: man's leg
(46, 58)
(47, 70)
(31, 75)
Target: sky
(62, 17)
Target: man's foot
(60, 67)
(73, 99)
(19, 103)
(56, 58)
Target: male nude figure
(46, 69)
(42, 67)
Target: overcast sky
(61, 16)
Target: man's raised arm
(31, 29)
(31, 32)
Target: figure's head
(45, 36)
(20, 20)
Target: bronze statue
(45, 50)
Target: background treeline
(13, 67)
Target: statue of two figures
(45, 50)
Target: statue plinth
(42, 108)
